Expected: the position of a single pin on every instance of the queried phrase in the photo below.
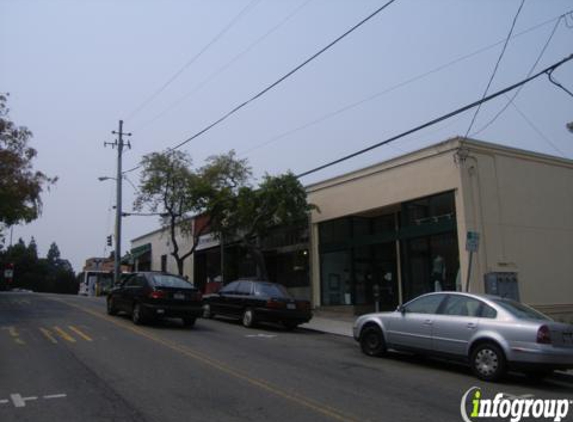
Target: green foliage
(40, 275)
(171, 186)
(20, 185)
(219, 190)
(53, 255)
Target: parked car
(151, 295)
(490, 333)
(257, 301)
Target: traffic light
(109, 240)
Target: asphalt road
(63, 359)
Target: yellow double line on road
(321, 408)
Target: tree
(53, 255)
(278, 201)
(20, 185)
(171, 186)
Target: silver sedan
(492, 334)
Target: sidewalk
(332, 324)
(340, 326)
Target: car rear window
(271, 290)
(521, 311)
(161, 280)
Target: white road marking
(261, 335)
(55, 396)
(17, 400)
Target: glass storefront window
(334, 231)
(335, 278)
(430, 209)
(430, 264)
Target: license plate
(179, 296)
(291, 306)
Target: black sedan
(257, 301)
(152, 295)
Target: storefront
(388, 254)
(390, 232)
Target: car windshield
(271, 290)
(162, 280)
(520, 311)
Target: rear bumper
(542, 356)
(172, 311)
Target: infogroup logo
(512, 409)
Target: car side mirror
(401, 309)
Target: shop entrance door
(385, 275)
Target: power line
(225, 66)
(439, 119)
(535, 128)
(393, 88)
(516, 93)
(496, 65)
(277, 82)
(556, 83)
(233, 21)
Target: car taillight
(544, 335)
(275, 304)
(157, 294)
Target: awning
(137, 252)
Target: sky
(170, 68)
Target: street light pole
(118, 213)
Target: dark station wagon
(151, 295)
(257, 301)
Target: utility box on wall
(502, 284)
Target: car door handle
(428, 322)
(471, 326)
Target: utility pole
(118, 213)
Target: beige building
(400, 228)
(152, 252)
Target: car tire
(111, 309)
(137, 314)
(372, 341)
(207, 314)
(488, 362)
(248, 318)
(189, 322)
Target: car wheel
(372, 341)
(137, 314)
(249, 318)
(488, 362)
(189, 322)
(111, 310)
(207, 314)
